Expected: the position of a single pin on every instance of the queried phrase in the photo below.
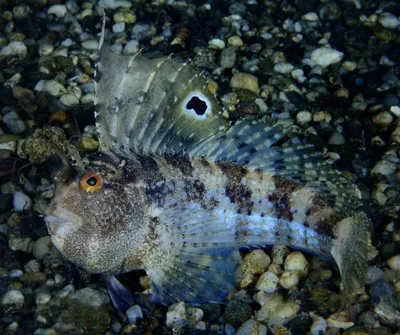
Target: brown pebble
(59, 117)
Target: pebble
(311, 16)
(114, 4)
(384, 167)
(42, 247)
(339, 320)
(53, 87)
(252, 327)
(45, 49)
(336, 138)
(326, 56)
(267, 282)
(13, 297)
(89, 297)
(236, 312)
(133, 313)
(322, 117)
(32, 266)
(125, 15)
(131, 47)
(58, 10)
(289, 279)
(69, 100)
(298, 75)
(296, 261)
(14, 122)
(279, 253)
(21, 201)
(15, 48)
(245, 81)
(283, 67)
(318, 326)
(254, 263)
(394, 262)
(349, 65)
(176, 315)
(228, 58)
(118, 27)
(235, 41)
(91, 45)
(388, 20)
(216, 44)
(303, 117)
(383, 119)
(42, 298)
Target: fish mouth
(61, 222)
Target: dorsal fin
(153, 105)
(146, 105)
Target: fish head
(97, 216)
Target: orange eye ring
(91, 182)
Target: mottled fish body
(177, 190)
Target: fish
(178, 190)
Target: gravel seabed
(331, 67)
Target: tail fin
(350, 250)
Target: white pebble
(14, 48)
(384, 168)
(42, 247)
(118, 27)
(216, 44)
(283, 67)
(14, 122)
(267, 282)
(326, 56)
(45, 49)
(289, 279)
(16, 273)
(176, 315)
(69, 100)
(349, 65)
(21, 201)
(58, 10)
(113, 4)
(53, 87)
(252, 327)
(382, 119)
(311, 16)
(42, 298)
(131, 47)
(286, 311)
(318, 326)
(296, 261)
(303, 117)
(298, 75)
(88, 98)
(67, 42)
(90, 44)
(395, 110)
(133, 313)
(388, 20)
(13, 297)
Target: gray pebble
(90, 297)
(228, 58)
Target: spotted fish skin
(182, 192)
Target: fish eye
(91, 182)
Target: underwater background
(331, 67)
